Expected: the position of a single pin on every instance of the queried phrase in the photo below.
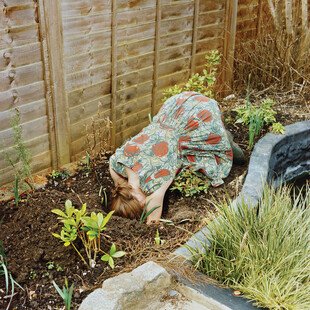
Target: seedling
(157, 239)
(103, 196)
(278, 128)
(78, 225)
(65, 293)
(62, 174)
(109, 257)
(145, 213)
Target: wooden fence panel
(22, 86)
(68, 63)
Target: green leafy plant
(53, 266)
(262, 251)
(103, 195)
(190, 183)
(109, 257)
(65, 293)
(61, 174)
(9, 280)
(78, 225)
(278, 128)
(204, 83)
(256, 117)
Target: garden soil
(36, 258)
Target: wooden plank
(88, 60)
(211, 5)
(210, 31)
(31, 130)
(177, 10)
(38, 163)
(213, 17)
(175, 52)
(123, 5)
(171, 67)
(176, 25)
(18, 36)
(81, 44)
(10, 3)
(229, 44)
(194, 37)
(17, 15)
(156, 54)
(209, 44)
(35, 146)
(89, 109)
(84, 7)
(20, 56)
(16, 77)
(28, 112)
(54, 39)
(86, 24)
(135, 49)
(15, 97)
(88, 77)
(131, 64)
(135, 33)
(135, 78)
(172, 79)
(174, 39)
(84, 95)
(131, 18)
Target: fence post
(53, 55)
(156, 56)
(194, 39)
(229, 43)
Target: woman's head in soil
(125, 203)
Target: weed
(256, 117)
(145, 213)
(103, 195)
(109, 257)
(53, 266)
(157, 239)
(65, 293)
(190, 183)
(278, 128)
(59, 175)
(203, 84)
(9, 280)
(78, 225)
(262, 251)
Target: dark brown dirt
(35, 258)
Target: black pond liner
(276, 159)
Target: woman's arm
(156, 200)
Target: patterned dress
(187, 132)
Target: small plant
(65, 293)
(78, 225)
(103, 195)
(109, 257)
(145, 213)
(59, 175)
(190, 183)
(21, 161)
(278, 128)
(9, 280)
(157, 239)
(53, 266)
(256, 117)
(203, 84)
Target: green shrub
(203, 84)
(262, 251)
(190, 183)
(256, 117)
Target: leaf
(112, 249)
(119, 254)
(59, 291)
(67, 243)
(106, 219)
(56, 236)
(68, 203)
(105, 257)
(59, 212)
(111, 262)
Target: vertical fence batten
(113, 73)
(48, 85)
(156, 56)
(194, 40)
(229, 43)
(54, 40)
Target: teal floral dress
(187, 132)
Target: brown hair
(124, 203)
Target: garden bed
(36, 258)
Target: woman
(186, 132)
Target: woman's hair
(124, 203)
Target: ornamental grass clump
(262, 251)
